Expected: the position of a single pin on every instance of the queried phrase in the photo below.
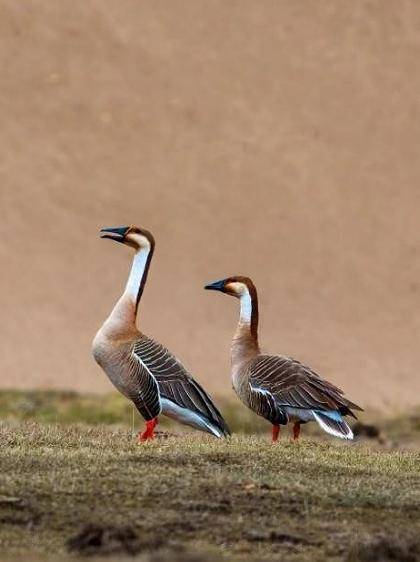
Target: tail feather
(333, 424)
(352, 406)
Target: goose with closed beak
(141, 369)
(279, 389)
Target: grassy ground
(64, 407)
(90, 490)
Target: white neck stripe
(246, 307)
(137, 272)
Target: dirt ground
(274, 139)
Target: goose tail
(333, 423)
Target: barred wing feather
(145, 393)
(177, 385)
(294, 385)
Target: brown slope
(277, 140)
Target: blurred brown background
(277, 139)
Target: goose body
(279, 388)
(143, 370)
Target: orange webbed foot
(275, 433)
(149, 433)
(296, 431)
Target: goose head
(236, 286)
(133, 236)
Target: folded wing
(293, 385)
(182, 397)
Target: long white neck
(135, 279)
(124, 314)
(245, 341)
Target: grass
(67, 407)
(64, 407)
(193, 498)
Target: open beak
(117, 234)
(216, 286)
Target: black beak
(117, 234)
(216, 286)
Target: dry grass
(67, 407)
(241, 499)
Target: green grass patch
(65, 407)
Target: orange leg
(275, 433)
(296, 431)
(148, 433)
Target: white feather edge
(178, 413)
(328, 429)
(186, 416)
(260, 390)
(299, 413)
(139, 359)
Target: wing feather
(176, 384)
(145, 392)
(294, 385)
